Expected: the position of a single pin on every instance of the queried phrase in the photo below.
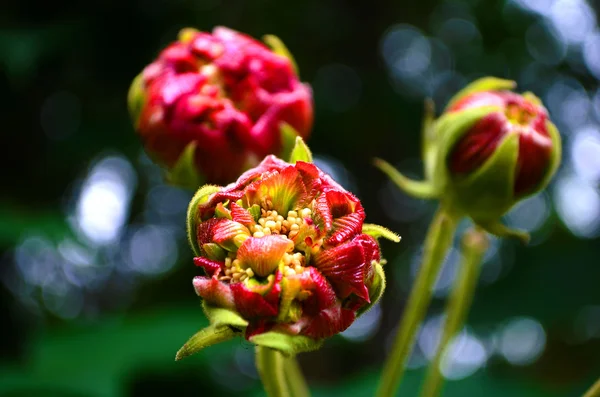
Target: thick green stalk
(295, 379)
(269, 363)
(438, 241)
(594, 390)
(474, 245)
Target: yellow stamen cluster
(271, 222)
(235, 272)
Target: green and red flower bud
(283, 249)
(496, 147)
(222, 94)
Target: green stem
(269, 363)
(438, 241)
(295, 379)
(474, 245)
(594, 390)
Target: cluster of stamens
(271, 222)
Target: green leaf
(205, 337)
(300, 152)
(279, 48)
(482, 84)
(288, 140)
(419, 189)
(219, 316)
(192, 220)
(376, 290)
(380, 231)
(184, 173)
(288, 345)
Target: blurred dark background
(95, 273)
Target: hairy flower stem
(438, 241)
(270, 365)
(594, 391)
(474, 245)
(295, 379)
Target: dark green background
(65, 68)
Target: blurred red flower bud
(224, 92)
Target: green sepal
(288, 136)
(487, 193)
(288, 345)
(254, 210)
(214, 252)
(222, 212)
(300, 152)
(206, 337)
(498, 229)
(378, 231)
(482, 84)
(449, 129)
(200, 197)
(184, 173)
(419, 189)
(375, 290)
(279, 48)
(136, 99)
(428, 137)
(219, 316)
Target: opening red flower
(283, 247)
(224, 92)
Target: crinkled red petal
(345, 228)
(241, 215)
(210, 267)
(250, 304)
(322, 295)
(344, 267)
(214, 291)
(264, 254)
(206, 230)
(329, 322)
(279, 191)
(226, 230)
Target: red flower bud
(224, 92)
(294, 260)
(515, 114)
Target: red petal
(322, 212)
(226, 231)
(329, 322)
(259, 326)
(251, 304)
(241, 215)
(312, 183)
(264, 254)
(210, 267)
(206, 230)
(477, 145)
(214, 291)
(535, 151)
(322, 295)
(371, 252)
(279, 191)
(345, 228)
(344, 267)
